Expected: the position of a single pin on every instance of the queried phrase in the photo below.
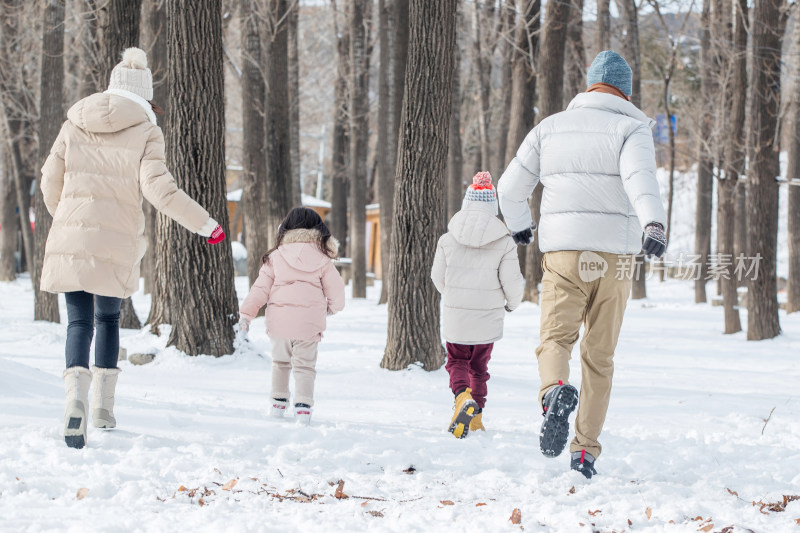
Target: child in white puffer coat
(476, 269)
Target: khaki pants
(575, 291)
(300, 356)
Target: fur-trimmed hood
(299, 249)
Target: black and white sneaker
(558, 404)
(583, 462)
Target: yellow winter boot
(476, 423)
(463, 414)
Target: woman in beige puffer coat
(108, 155)
(477, 271)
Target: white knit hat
(132, 74)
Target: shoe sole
(459, 427)
(75, 425)
(555, 427)
(73, 434)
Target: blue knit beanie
(609, 67)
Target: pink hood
(300, 287)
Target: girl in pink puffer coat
(300, 287)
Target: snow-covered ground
(685, 431)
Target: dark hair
(156, 108)
(303, 218)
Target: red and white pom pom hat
(481, 189)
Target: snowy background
(686, 443)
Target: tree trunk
(733, 161)
(278, 135)
(575, 54)
(413, 332)
(156, 26)
(359, 142)
(385, 138)
(294, 102)
(602, 38)
(793, 176)
(341, 145)
(17, 107)
(8, 222)
(202, 275)
(120, 31)
(630, 14)
(508, 14)
(762, 189)
(523, 85)
(523, 88)
(90, 49)
(399, 60)
(705, 163)
(254, 161)
(455, 158)
(483, 69)
(551, 92)
(51, 115)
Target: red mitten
(217, 236)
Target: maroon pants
(468, 365)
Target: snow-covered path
(685, 425)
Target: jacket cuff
(208, 228)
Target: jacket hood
(299, 249)
(106, 113)
(610, 103)
(476, 225)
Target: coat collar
(610, 103)
(138, 99)
(294, 236)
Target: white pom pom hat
(132, 74)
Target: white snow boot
(77, 380)
(302, 413)
(279, 406)
(104, 382)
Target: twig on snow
(766, 421)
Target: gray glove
(655, 242)
(508, 309)
(524, 237)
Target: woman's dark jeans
(80, 312)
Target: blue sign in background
(661, 133)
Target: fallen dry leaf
(595, 512)
(82, 492)
(217, 471)
(200, 502)
(516, 517)
(797, 521)
(364, 504)
(446, 502)
(480, 504)
(629, 522)
(375, 513)
(732, 492)
(649, 513)
(339, 494)
(572, 490)
(707, 527)
(181, 488)
(229, 485)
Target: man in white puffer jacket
(596, 162)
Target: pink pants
(467, 365)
